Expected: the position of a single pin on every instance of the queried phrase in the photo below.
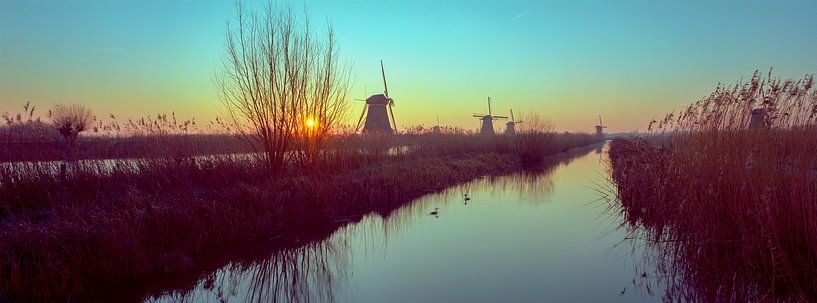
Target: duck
(467, 198)
(434, 212)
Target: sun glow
(310, 123)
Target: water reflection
(683, 275)
(533, 184)
(303, 274)
(507, 234)
(689, 269)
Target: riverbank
(63, 239)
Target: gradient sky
(569, 60)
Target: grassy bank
(730, 211)
(108, 147)
(114, 222)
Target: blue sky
(569, 60)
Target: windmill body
(487, 124)
(377, 115)
(510, 126)
(378, 112)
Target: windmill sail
(386, 91)
(360, 120)
(385, 86)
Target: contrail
(520, 15)
(109, 49)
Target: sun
(310, 123)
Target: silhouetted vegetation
(70, 120)
(125, 147)
(533, 139)
(729, 205)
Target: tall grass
(730, 211)
(131, 146)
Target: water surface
(534, 236)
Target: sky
(571, 61)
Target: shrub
(70, 120)
(534, 138)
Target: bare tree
(70, 120)
(281, 83)
(536, 123)
(325, 104)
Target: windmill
(510, 126)
(487, 127)
(600, 128)
(436, 128)
(379, 119)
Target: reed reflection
(694, 270)
(533, 184)
(308, 273)
(318, 271)
(707, 269)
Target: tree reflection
(308, 273)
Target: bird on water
(434, 212)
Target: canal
(543, 235)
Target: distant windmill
(510, 126)
(487, 127)
(600, 128)
(379, 120)
(436, 128)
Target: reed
(730, 210)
